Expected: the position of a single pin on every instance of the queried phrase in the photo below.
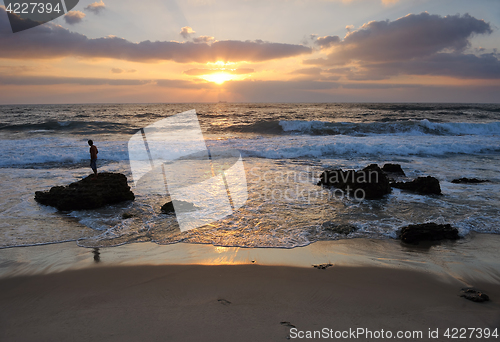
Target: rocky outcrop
(468, 181)
(89, 193)
(422, 185)
(168, 208)
(393, 169)
(428, 232)
(369, 183)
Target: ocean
(285, 147)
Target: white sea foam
(375, 146)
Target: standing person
(93, 157)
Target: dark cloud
(88, 81)
(52, 41)
(417, 44)
(116, 70)
(74, 17)
(413, 36)
(307, 71)
(327, 41)
(96, 7)
(467, 66)
(203, 39)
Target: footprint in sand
(223, 301)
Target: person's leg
(93, 165)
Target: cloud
(53, 41)
(384, 2)
(120, 71)
(307, 71)
(203, 39)
(413, 36)
(88, 81)
(74, 17)
(199, 72)
(327, 41)
(417, 44)
(186, 31)
(96, 7)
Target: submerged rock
(422, 185)
(88, 193)
(473, 294)
(369, 183)
(468, 181)
(393, 169)
(428, 232)
(345, 229)
(168, 208)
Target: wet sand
(234, 303)
(185, 292)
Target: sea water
(285, 147)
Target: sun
(218, 77)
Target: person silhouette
(93, 157)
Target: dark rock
(428, 232)
(127, 215)
(422, 185)
(322, 266)
(369, 183)
(473, 294)
(88, 193)
(345, 229)
(394, 169)
(168, 208)
(468, 181)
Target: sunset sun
(219, 77)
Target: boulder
(369, 183)
(468, 181)
(394, 169)
(89, 193)
(428, 232)
(422, 185)
(168, 208)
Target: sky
(172, 51)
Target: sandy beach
(226, 297)
(234, 303)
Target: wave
(387, 126)
(95, 127)
(290, 147)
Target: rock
(422, 185)
(88, 193)
(468, 181)
(127, 215)
(345, 229)
(428, 232)
(369, 183)
(394, 169)
(473, 294)
(322, 266)
(168, 208)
